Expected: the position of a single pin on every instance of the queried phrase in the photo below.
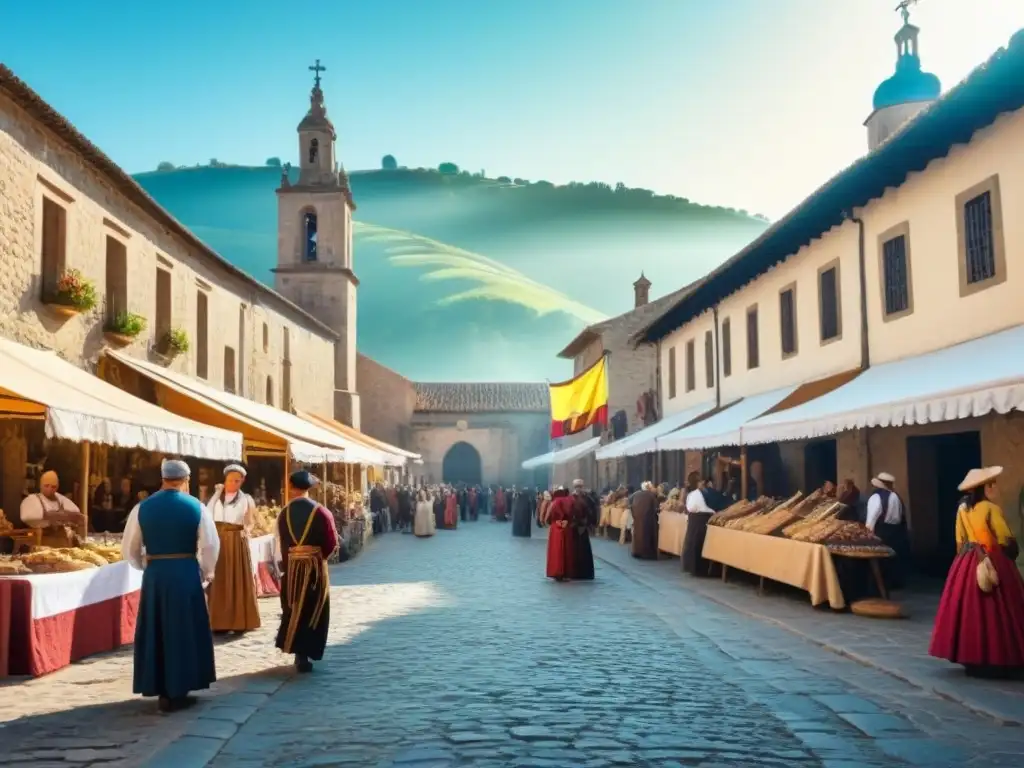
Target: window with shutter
(691, 373)
(709, 359)
(726, 347)
(787, 320)
(753, 352)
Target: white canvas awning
(959, 382)
(539, 461)
(308, 443)
(388, 455)
(79, 406)
(643, 441)
(724, 427)
(563, 456)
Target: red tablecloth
(60, 618)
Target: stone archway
(462, 464)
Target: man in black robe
(583, 518)
(644, 506)
(522, 516)
(405, 509)
(308, 538)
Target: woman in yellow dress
(232, 594)
(980, 621)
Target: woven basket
(876, 608)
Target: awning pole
(284, 478)
(323, 485)
(85, 488)
(743, 471)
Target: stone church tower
(314, 245)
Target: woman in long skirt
(232, 595)
(451, 510)
(423, 519)
(697, 515)
(981, 625)
(560, 538)
(438, 508)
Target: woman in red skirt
(980, 622)
(561, 541)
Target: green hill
(470, 278)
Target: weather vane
(904, 9)
(317, 68)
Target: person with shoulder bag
(980, 621)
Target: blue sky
(745, 103)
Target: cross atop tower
(317, 68)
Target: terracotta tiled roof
(489, 397)
(38, 109)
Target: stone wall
(387, 401)
(34, 163)
(503, 440)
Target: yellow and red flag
(581, 402)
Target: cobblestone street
(456, 651)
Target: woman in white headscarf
(423, 523)
(232, 594)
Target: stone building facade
(633, 381)
(65, 205)
(910, 252)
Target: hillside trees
(165, 166)
(448, 169)
(274, 162)
(388, 163)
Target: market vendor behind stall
(51, 511)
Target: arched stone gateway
(462, 465)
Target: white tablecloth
(56, 593)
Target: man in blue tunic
(172, 538)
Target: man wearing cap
(172, 538)
(232, 595)
(50, 511)
(308, 537)
(886, 519)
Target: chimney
(641, 291)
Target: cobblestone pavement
(456, 651)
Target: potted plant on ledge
(73, 294)
(124, 328)
(175, 342)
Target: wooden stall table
(59, 618)
(799, 564)
(671, 531)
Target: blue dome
(907, 85)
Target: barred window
(897, 285)
(979, 245)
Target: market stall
(59, 617)
(64, 604)
(672, 525)
(792, 542)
